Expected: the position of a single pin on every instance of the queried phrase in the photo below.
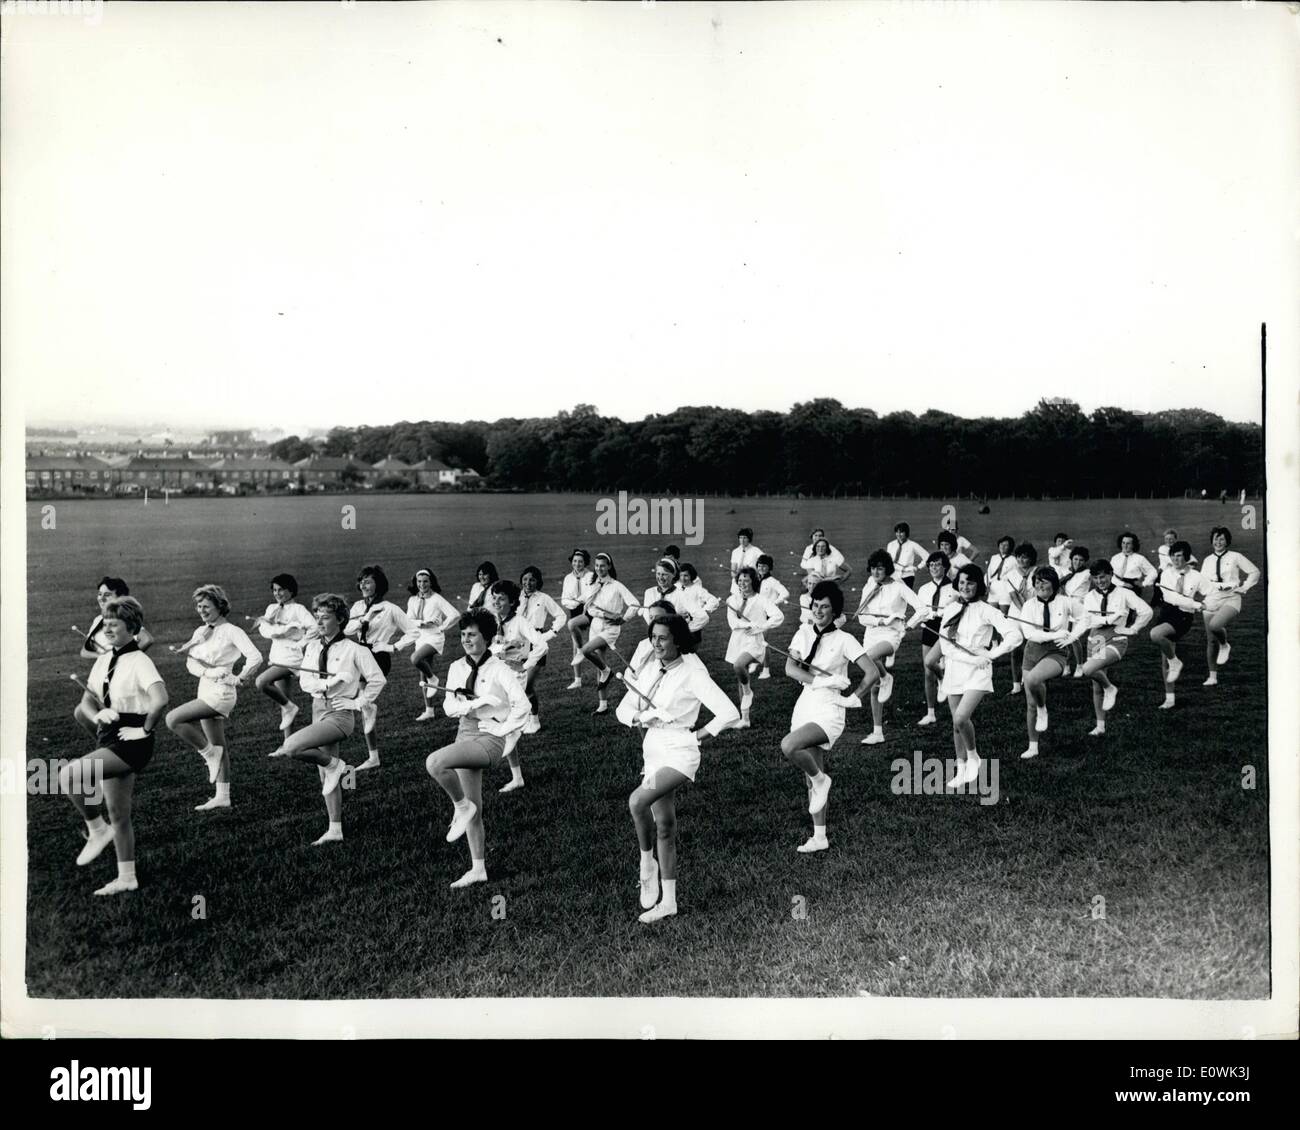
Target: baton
(92, 643)
(88, 691)
(801, 662)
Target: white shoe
(96, 842)
(817, 794)
(741, 723)
(332, 775)
(1040, 722)
(1108, 697)
(470, 876)
(118, 886)
(1078, 672)
(213, 760)
(765, 674)
(1225, 650)
(287, 715)
(972, 769)
(1016, 688)
(958, 778)
(371, 762)
(578, 660)
(460, 821)
(886, 689)
(510, 786)
(663, 910)
(430, 684)
(211, 803)
(1168, 704)
(1212, 681)
(1175, 669)
(1098, 731)
(928, 720)
(876, 737)
(427, 715)
(601, 707)
(1032, 751)
(330, 837)
(576, 684)
(813, 843)
(650, 887)
(754, 666)
(533, 724)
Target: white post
(146, 496)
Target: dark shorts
(385, 661)
(910, 582)
(930, 633)
(135, 754)
(1180, 618)
(574, 613)
(1036, 652)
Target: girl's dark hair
(946, 537)
(1064, 537)
(674, 551)
(1024, 549)
(1007, 539)
(679, 630)
(687, 567)
(766, 559)
(490, 569)
(1182, 547)
(745, 532)
(942, 558)
(1227, 533)
(664, 606)
(586, 557)
(1044, 573)
(1080, 551)
(534, 572)
(381, 579)
(413, 588)
(1101, 567)
(483, 620)
(881, 558)
(286, 581)
(115, 585)
(750, 572)
(828, 590)
(903, 528)
(973, 570)
(508, 589)
(1119, 541)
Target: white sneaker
(332, 776)
(958, 778)
(650, 886)
(211, 803)
(287, 715)
(602, 707)
(576, 684)
(533, 724)
(96, 842)
(1212, 681)
(886, 689)
(1040, 722)
(874, 738)
(817, 794)
(1175, 669)
(470, 876)
(213, 760)
(510, 786)
(972, 769)
(1078, 672)
(1225, 650)
(330, 837)
(1032, 751)
(741, 723)
(765, 674)
(813, 843)
(460, 821)
(928, 720)
(371, 762)
(427, 715)
(1098, 731)
(118, 886)
(663, 910)
(1108, 697)
(1168, 704)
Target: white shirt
(576, 591)
(354, 680)
(906, 556)
(754, 616)
(384, 624)
(1163, 560)
(653, 593)
(805, 612)
(1076, 585)
(697, 603)
(975, 628)
(478, 595)
(1225, 571)
(518, 644)
(1058, 557)
(826, 566)
(774, 591)
(1182, 589)
(220, 648)
(1030, 619)
(536, 606)
(96, 637)
(955, 562)
(1018, 584)
(836, 651)
(433, 608)
(932, 599)
(611, 602)
(677, 692)
(1133, 567)
(132, 678)
(1118, 601)
(743, 556)
(885, 605)
(1000, 567)
(502, 706)
(286, 626)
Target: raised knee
(789, 747)
(432, 764)
(172, 720)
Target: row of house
(89, 474)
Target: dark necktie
(817, 640)
(934, 600)
(952, 624)
(1105, 600)
(1218, 566)
(323, 667)
(898, 548)
(1181, 578)
(365, 625)
(112, 666)
(1002, 561)
(471, 682)
(1047, 618)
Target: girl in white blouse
(1181, 591)
(1132, 570)
(667, 587)
(744, 556)
(1002, 564)
(537, 607)
(342, 677)
(521, 647)
(287, 624)
(1165, 548)
(821, 657)
(1017, 588)
(697, 603)
(211, 654)
(965, 643)
(932, 597)
(883, 613)
(825, 562)
(378, 625)
(485, 576)
(578, 586)
(95, 643)
(1076, 583)
(947, 543)
(125, 700)
(1045, 621)
(609, 606)
(1106, 615)
(773, 591)
(1228, 576)
(749, 616)
(431, 616)
(906, 554)
(676, 686)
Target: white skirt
(962, 674)
(891, 634)
(817, 705)
(1217, 599)
(609, 632)
(741, 643)
(435, 640)
(217, 695)
(666, 748)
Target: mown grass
(919, 895)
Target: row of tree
(821, 447)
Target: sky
(301, 215)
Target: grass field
(918, 896)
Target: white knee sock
(126, 870)
(669, 887)
(223, 790)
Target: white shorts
(961, 674)
(217, 695)
(1218, 599)
(435, 640)
(817, 706)
(603, 629)
(666, 748)
(891, 635)
(284, 655)
(746, 643)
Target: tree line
(821, 447)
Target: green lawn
(918, 896)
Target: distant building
(321, 471)
(252, 473)
(67, 474)
(170, 472)
(391, 467)
(436, 473)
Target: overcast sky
(315, 214)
